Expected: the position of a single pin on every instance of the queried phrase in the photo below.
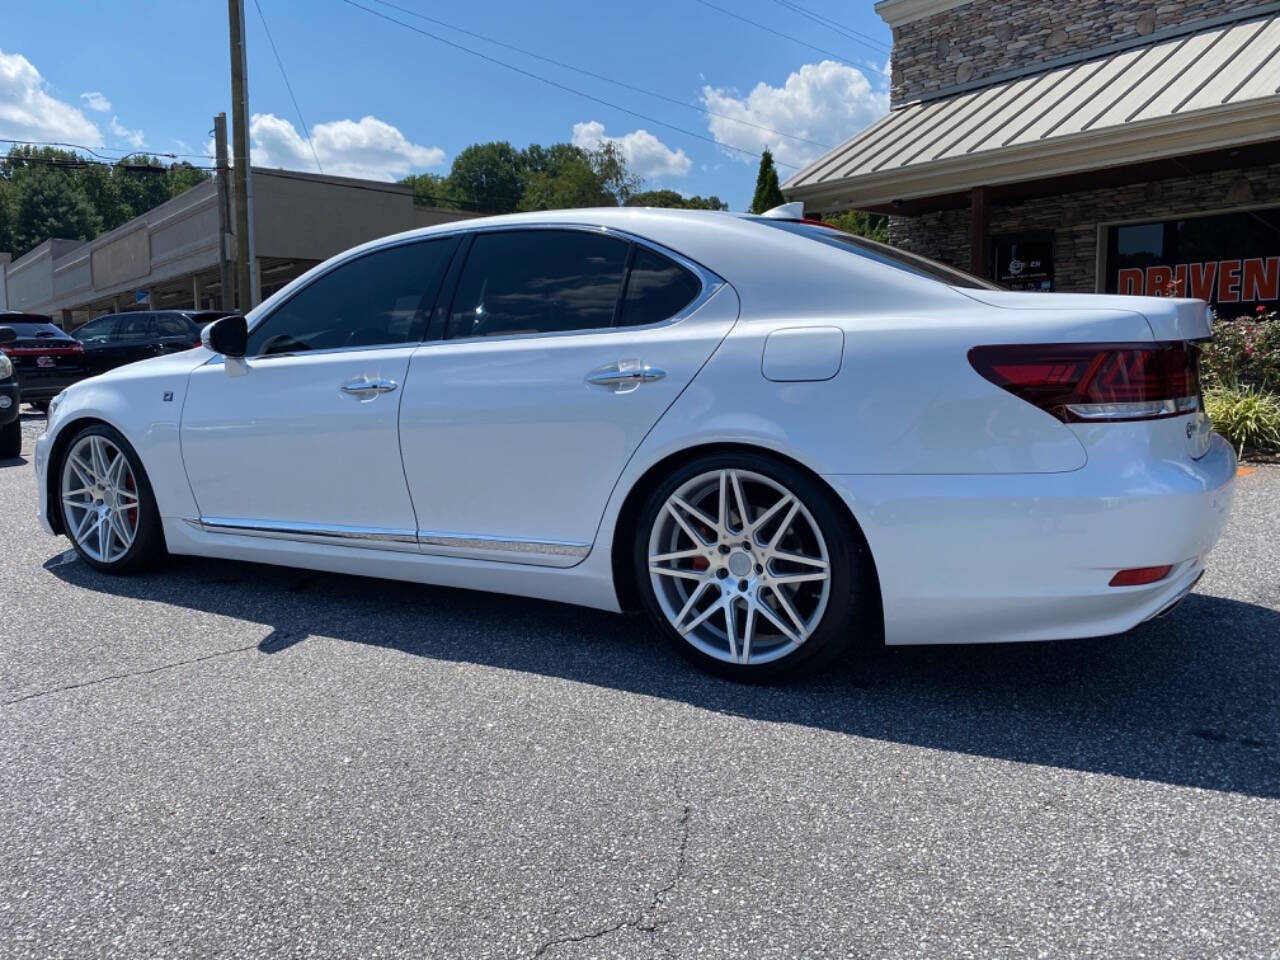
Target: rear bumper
(46, 387)
(978, 559)
(9, 411)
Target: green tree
(489, 177)
(45, 192)
(610, 166)
(47, 204)
(563, 176)
(670, 198)
(768, 192)
(873, 226)
(432, 190)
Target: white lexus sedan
(775, 437)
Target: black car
(45, 359)
(10, 401)
(119, 338)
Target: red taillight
(1097, 381)
(1140, 576)
(62, 351)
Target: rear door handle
(624, 376)
(365, 389)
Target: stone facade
(1073, 218)
(975, 40)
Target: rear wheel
(108, 510)
(748, 566)
(11, 440)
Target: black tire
(148, 543)
(41, 405)
(11, 440)
(851, 613)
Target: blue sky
(383, 101)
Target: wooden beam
(980, 231)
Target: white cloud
(134, 138)
(369, 148)
(95, 100)
(826, 102)
(27, 112)
(645, 154)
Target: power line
(287, 85)
(599, 76)
(558, 85)
(787, 36)
(848, 32)
(93, 152)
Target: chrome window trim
(431, 542)
(711, 285)
(373, 537)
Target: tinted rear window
(30, 331)
(884, 254)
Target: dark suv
(119, 338)
(45, 359)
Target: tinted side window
(538, 281)
(134, 327)
(383, 297)
(97, 331)
(167, 325)
(658, 288)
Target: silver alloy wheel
(739, 566)
(100, 498)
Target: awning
(1215, 88)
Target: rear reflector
(1080, 382)
(1139, 576)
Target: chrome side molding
(557, 553)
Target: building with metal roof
(1108, 145)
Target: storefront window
(1231, 259)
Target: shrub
(1247, 417)
(1244, 352)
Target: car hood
(1170, 318)
(167, 365)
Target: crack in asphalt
(646, 921)
(131, 673)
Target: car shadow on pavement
(1190, 699)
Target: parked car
(10, 402)
(115, 339)
(775, 437)
(45, 358)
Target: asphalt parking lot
(228, 760)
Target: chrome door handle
(624, 376)
(365, 389)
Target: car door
(560, 350)
(174, 333)
(134, 339)
(299, 440)
(97, 337)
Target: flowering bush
(1241, 372)
(1244, 352)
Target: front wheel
(108, 510)
(750, 568)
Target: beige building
(1097, 145)
(169, 257)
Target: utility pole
(246, 262)
(226, 301)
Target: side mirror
(8, 334)
(228, 336)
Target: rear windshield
(883, 253)
(29, 331)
